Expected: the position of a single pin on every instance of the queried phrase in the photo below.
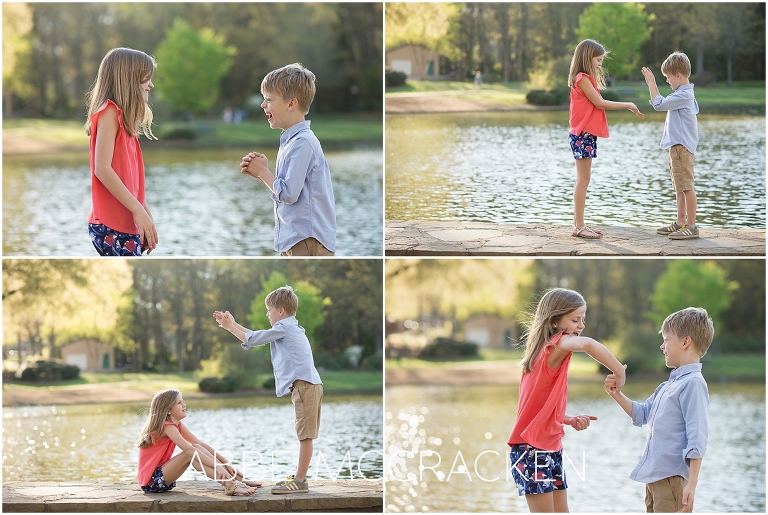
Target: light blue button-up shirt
(680, 127)
(676, 415)
(290, 351)
(303, 193)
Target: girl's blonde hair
(582, 63)
(121, 73)
(555, 303)
(161, 405)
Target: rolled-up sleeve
(672, 102)
(693, 403)
(259, 338)
(297, 163)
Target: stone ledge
(422, 238)
(189, 496)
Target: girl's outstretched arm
(591, 93)
(593, 348)
(104, 151)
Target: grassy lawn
(331, 129)
(344, 380)
(511, 93)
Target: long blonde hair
(582, 63)
(555, 303)
(162, 403)
(121, 73)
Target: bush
(269, 383)
(394, 78)
(703, 80)
(219, 384)
(374, 362)
(446, 348)
(554, 97)
(43, 370)
(176, 133)
(611, 94)
(549, 75)
(637, 346)
(731, 344)
(328, 361)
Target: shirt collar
(293, 130)
(685, 86)
(684, 370)
(289, 321)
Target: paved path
(188, 496)
(415, 238)
(446, 102)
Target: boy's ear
(293, 104)
(687, 342)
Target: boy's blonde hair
(284, 298)
(693, 322)
(676, 63)
(554, 304)
(159, 410)
(292, 81)
(119, 79)
(582, 63)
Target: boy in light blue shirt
(295, 373)
(305, 210)
(676, 415)
(681, 136)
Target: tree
(621, 28)
(190, 67)
(17, 23)
(312, 305)
(689, 283)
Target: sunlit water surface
(517, 168)
(95, 442)
(201, 204)
(466, 430)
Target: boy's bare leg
(306, 448)
(689, 198)
(681, 212)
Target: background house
(89, 355)
(491, 331)
(415, 61)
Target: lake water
(201, 203)
(517, 167)
(468, 426)
(95, 442)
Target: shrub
(394, 78)
(637, 346)
(177, 133)
(328, 361)
(611, 94)
(43, 370)
(547, 98)
(219, 384)
(269, 383)
(728, 343)
(703, 80)
(446, 348)
(549, 75)
(373, 362)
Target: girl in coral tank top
(120, 223)
(536, 455)
(588, 122)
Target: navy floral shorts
(157, 483)
(109, 242)
(584, 146)
(536, 471)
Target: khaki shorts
(681, 168)
(308, 247)
(307, 399)
(665, 495)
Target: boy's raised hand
(648, 75)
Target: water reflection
(517, 168)
(459, 435)
(96, 442)
(201, 204)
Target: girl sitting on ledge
(158, 471)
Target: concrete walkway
(188, 496)
(418, 238)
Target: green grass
(736, 367)
(750, 93)
(344, 380)
(331, 130)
